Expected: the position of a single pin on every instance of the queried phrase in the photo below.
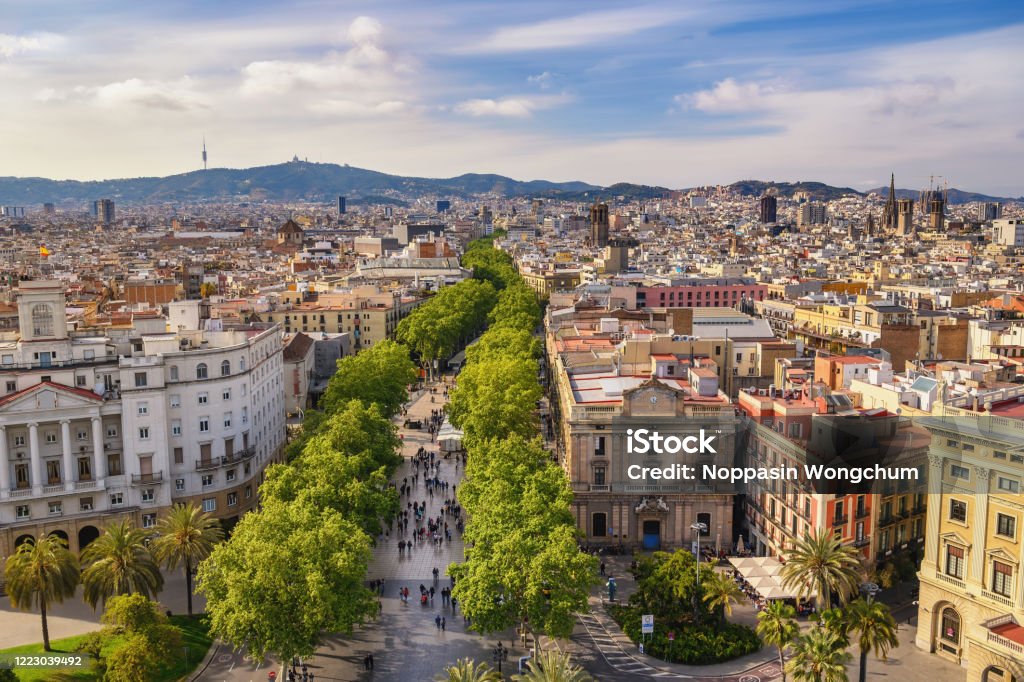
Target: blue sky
(671, 93)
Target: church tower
(889, 216)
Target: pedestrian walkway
(405, 641)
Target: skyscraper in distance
(768, 207)
(103, 211)
(341, 205)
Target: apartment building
(96, 428)
(971, 606)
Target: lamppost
(699, 528)
(499, 654)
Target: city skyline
(667, 94)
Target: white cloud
(728, 96)
(177, 95)
(510, 107)
(574, 31)
(12, 45)
(542, 80)
(345, 107)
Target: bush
(695, 644)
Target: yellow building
(972, 593)
(368, 318)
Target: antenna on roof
(204, 152)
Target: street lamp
(499, 654)
(700, 528)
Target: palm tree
(186, 536)
(818, 656)
(821, 562)
(41, 572)
(777, 625)
(721, 592)
(468, 670)
(875, 628)
(119, 562)
(553, 666)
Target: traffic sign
(647, 624)
(671, 635)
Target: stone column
(934, 511)
(5, 465)
(69, 460)
(97, 451)
(976, 572)
(37, 473)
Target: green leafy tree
(186, 536)
(346, 467)
(41, 572)
(144, 641)
(875, 630)
(504, 341)
(381, 374)
(496, 399)
(553, 666)
(777, 626)
(818, 656)
(290, 572)
(119, 562)
(821, 564)
(721, 592)
(468, 670)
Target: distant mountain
(305, 181)
(817, 190)
(295, 180)
(956, 196)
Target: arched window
(201, 372)
(950, 625)
(241, 364)
(225, 368)
(42, 320)
(174, 372)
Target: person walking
(437, 622)
(443, 623)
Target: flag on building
(43, 251)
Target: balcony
(862, 514)
(997, 627)
(919, 509)
(998, 598)
(599, 487)
(140, 479)
(225, 460)
(840, 520)
(862, 542)
(886, 521)
(952, 580)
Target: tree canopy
(380, 374)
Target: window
(951, 625)
(227, 420)
(22, 511)
(56, 508)
(175, 428)
(147, 494)
(111, 432)
(8, 359)
(958, 510)
(53, 471)
(84, 469)
(952, 443)
(82, 435)
(179, 484)
(148, 520)
(232, 499)
(225, 368)
(960, 472)
(954, 561)
(201, 371)
(599, 475)
(204, 424)
(795, 430)
(12, 386)
(203, 398)
(114, 465)
(1006, 525)
(999, 454)
(210, 504)
(85, 503)
(143, 409)
(51, 436)
(116, 499)
(207, 480)
(1002, 578)
(599, 445)
(248, 492)
(140, 379)
(175, 401)
(80, 380)
(174, 372)
(143, 433)
(245, 415)
(42, 320)
(226, 395)
(19, 440)
(1008, 485)
(599, 525)
(230, 475)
